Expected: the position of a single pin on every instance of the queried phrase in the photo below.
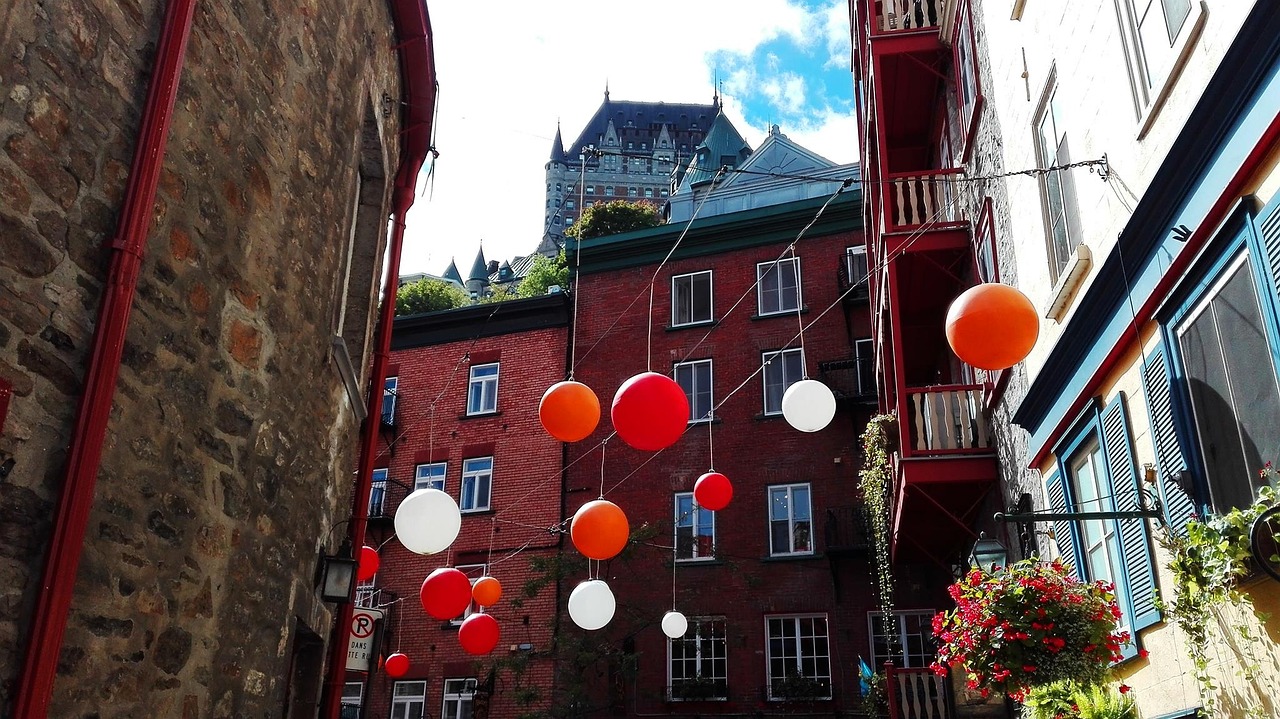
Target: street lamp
(336, 575)
(988, 554)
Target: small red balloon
(487, 591)
(713, 491)
(650, 411)
(367, 568)
(599, 529)
(446, 593)
(992, 326)
(397, 665)
(479, 634)
(569, 411)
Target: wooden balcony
(918, 693)
(945, 419)
(901, 16)
(915, 199)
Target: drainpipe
(53, 603)
(417, 72)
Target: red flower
(1143, 653)
(1124, 688)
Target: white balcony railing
(947, 418)
(909, 14)
(922, 198)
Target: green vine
(875, 481)
(1208, 565)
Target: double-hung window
(864, 354)
(482, 390)
(1156, 35)
(389, 400)
(474, 572)
(698, 662)
(458, 696)
(782, 369)
(408, 700)
(1095, 472)
(477, 481)
(691, 298)
(855, 267)
(906, 638)
(695, 529)
(778, 287)
(1057, 192)
(378, 492)
(968, 91)
(799, 657)
(430, 475)
(695, 379)
(790, 520)
(352, 694)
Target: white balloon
(428, 521)
(591, 604)
(674, 624)
(808, 405)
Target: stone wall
(228, 458)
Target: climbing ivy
(875, 481)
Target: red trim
(431, 456)
(482, 449)
(1231, 194)
(486, 357)
(53, 604)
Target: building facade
(181, 404)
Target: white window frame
(1047, 112)
(792, 521)
(474, 572)
(923, 619)
(858, 272)
(686, 375)
(405, 695)
(763, 269)
(423, 479)
(479, 477)
(389, 388)
(378, 492)
(690, 279)
(791, 625)
(697, 518)
(461, 692)
(352, 694)
(1153, 58)
(694, 635)
(768, 359)
(486, 401)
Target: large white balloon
(674, 624)
(428, 521)
(591, 604)
(808, 405)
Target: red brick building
(461, 414)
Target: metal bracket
(1151, 509)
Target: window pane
(702, 297)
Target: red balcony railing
(906, 15)
(914, 199)
(945, 419)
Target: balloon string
(711, 442)
(648, 352)
(603, 445)
(577, 266)
(493, 529)
(804, 363)
(675, 550)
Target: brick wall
(228, 457)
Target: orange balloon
(599, 529)
(569, 411)
(992, 326)
(486, 591)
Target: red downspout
(417, 72)
(49, 620)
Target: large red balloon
(569, 411)
(487, 591)
(446, 593)
(367, 567)
(479, 634)
(713, 491)
(992, 326)
(599, 529)
(650, 411)
(397, 665)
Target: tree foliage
(428, 295)
(610, 218)
(544, 273)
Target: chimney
(493, 266)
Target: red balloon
(479, 634)
(569, 411)
(599, 529)
(368, 565)
(992, 326)
(446, 593)
(397, 665)
(713, 491)
(650, 411)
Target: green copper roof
(451, 273)
(722, 146)
(479, 268)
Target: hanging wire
(804, 363)
(603, 445)
(577, 268)
(711, 441)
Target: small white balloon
(674, 624)
(591, 604)
(428, 521)
(808, 405)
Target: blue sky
(508, 76)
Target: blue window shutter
(1063, 533)
(1178, 506)
(1269, 230)
(1135, 545)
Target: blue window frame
(1095, 472)
(389, 400)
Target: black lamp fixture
(336, 575)
(988, 554)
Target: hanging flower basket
(1027, 626)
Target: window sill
(692, 325)
(768, 416)
(474, 512)
(784, 313)
(480, 415)
(708, 562)
(790, 557)
(1072, 276)
(715, 419)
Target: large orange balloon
(599, 529)
(992, 326)
(486, 591)
(650, 411)
(569, 411)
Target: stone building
(194, 204)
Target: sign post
(364, 623)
